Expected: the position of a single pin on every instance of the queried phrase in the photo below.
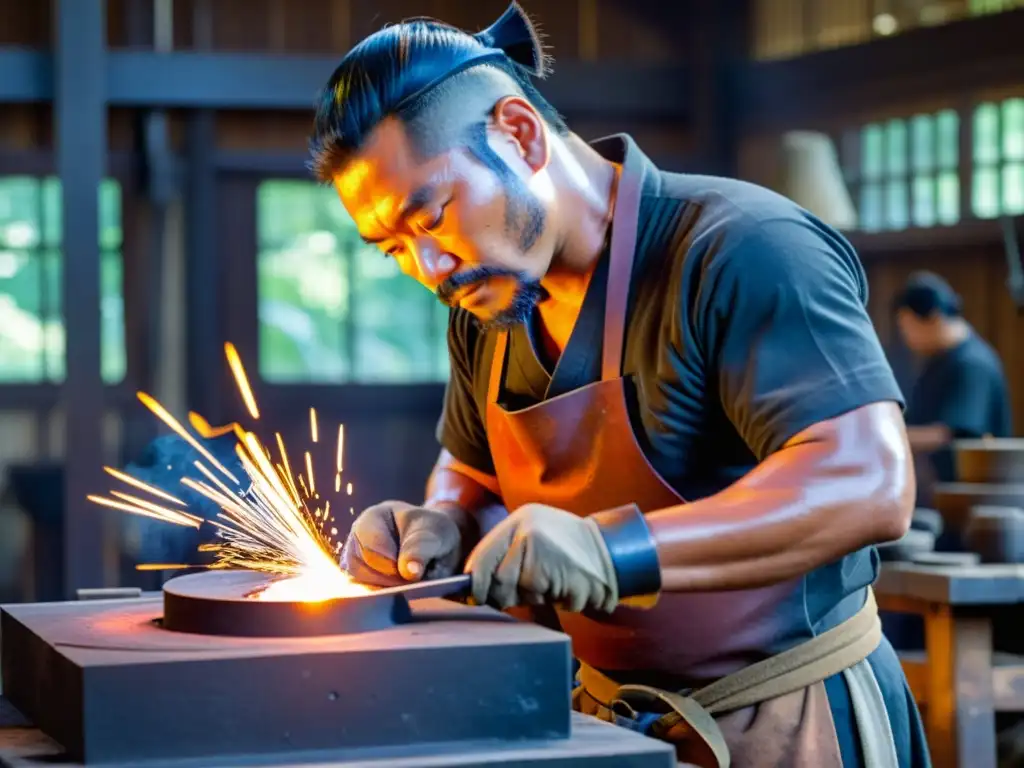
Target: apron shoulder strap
(625, 222)
(497, 367)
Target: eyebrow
(413, 204)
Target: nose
(435, 264)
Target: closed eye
(438, 221)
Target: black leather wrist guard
(633, 552)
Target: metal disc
(223, 603)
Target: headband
(511, 38)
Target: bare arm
(463, 492)
(834, 488)
(930, 437)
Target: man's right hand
(393, 542)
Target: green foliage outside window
(333, 309)
(31, 265)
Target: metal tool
(223, 603)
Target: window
(31, 325)
(998, 155)
(903, 173)
(333, 309)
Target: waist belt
(802, 666)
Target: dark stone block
(104, 680)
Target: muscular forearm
(835, 488)
(928, 438)
(464, 493)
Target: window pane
(32, 326)
(947, 130)
(924, 201)
(1013, 129)
(51, 309)
(871, 207)
(19, 212)
(922, 142)
(896, 148)
(871, 151)
(1013, 188)
(51, 212)
(331, 307)
(948, 208)
(985, 194)
(396, 338)
(110, 215)
(113, 360)
(986, 133)
(21, 328)
(302, 285)
(896, 199)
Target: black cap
(925, 294)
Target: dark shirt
(747, 324)
(963, 388)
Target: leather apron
(578, 452)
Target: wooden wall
(978, 272)
(583, 30)
(390, 431)
(955, 66)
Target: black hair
(432, 76)
(925, 294)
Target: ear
(517, 119)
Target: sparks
(265, 523)
(309, 474)
(129, 480)
(238, 371)
(341, 447)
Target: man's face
(918, 333)
(465, 223)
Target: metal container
(989, 460)
(996, 534)
(955, 500)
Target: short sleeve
(461, 429)
(966, 403)
(781, 318)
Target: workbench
(958, 681)
(594, 744)
(448, 690)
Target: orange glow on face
(314, 587)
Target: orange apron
(578, 452)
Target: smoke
(163, 464)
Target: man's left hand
(541, 554)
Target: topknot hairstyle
(407, 69)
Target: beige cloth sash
(842, 649)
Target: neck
(586, 184)
(953, 332)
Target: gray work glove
(541, 554)
(393, 542)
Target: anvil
(110, 684)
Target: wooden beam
(80, 131)
(208, 80)
(932, 62)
